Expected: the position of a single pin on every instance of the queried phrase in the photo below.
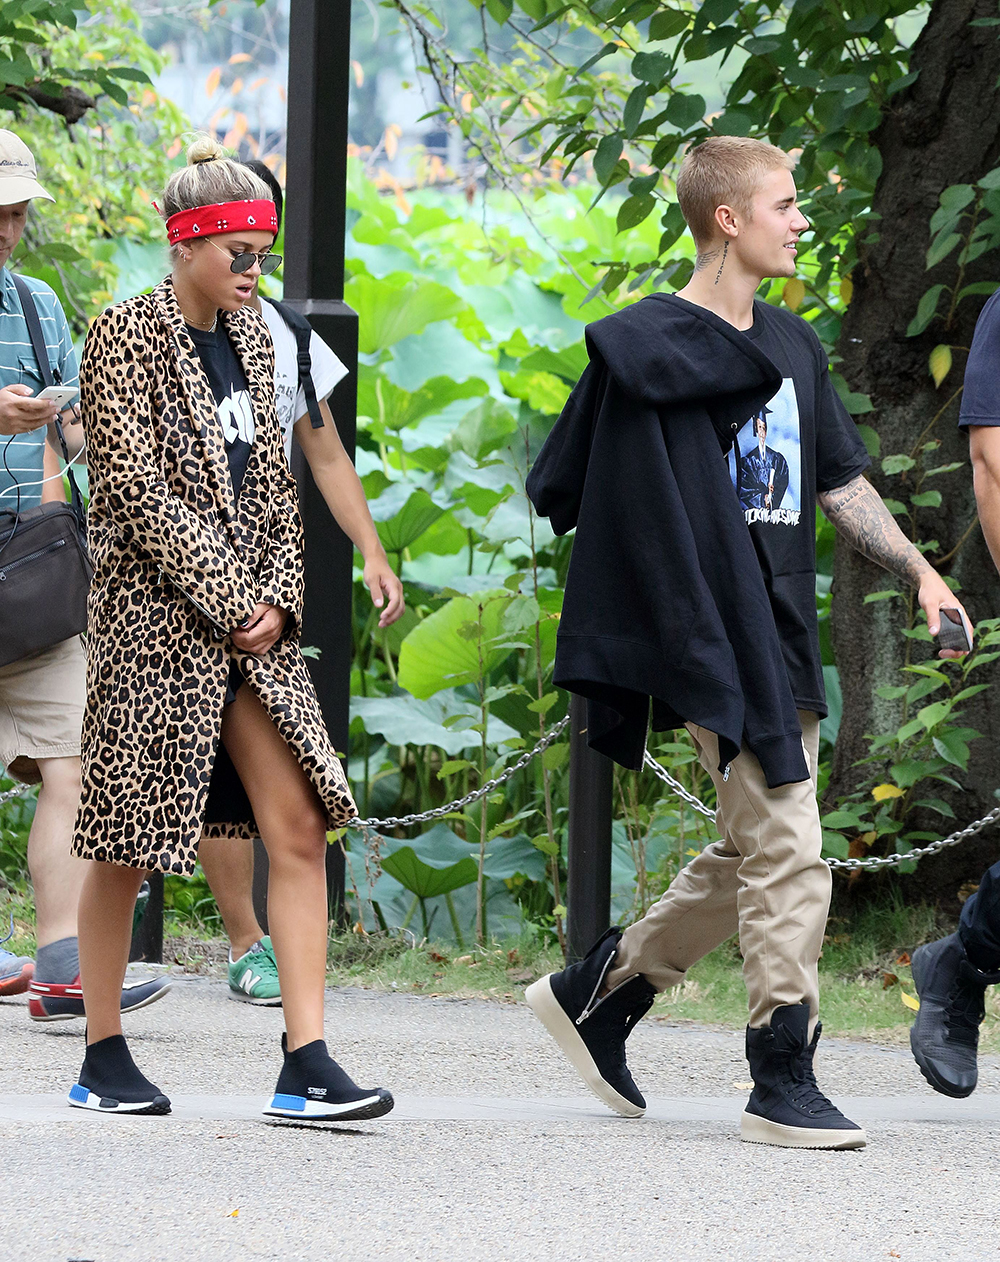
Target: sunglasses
(267, 262)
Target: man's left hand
(934, 594)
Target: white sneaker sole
(549, 1011)
(758, 1130)
(241, 996)
(80, 1098)
(295, 1106)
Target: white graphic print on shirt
(236, 415)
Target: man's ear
(728, 221)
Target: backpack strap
(51, 378)
(302, 329)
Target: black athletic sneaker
(592, 1031)
(944, 1038)
(110, 1082)
(786, 1107)
(313, 1087)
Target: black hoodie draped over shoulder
(665, 600)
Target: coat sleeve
(282, 574)
(116, 402)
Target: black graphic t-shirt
(801, 442)
(232, 397)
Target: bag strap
(51, 378)
(302, 329)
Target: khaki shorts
(41, 708)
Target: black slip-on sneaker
(110, 1082)
(786, 1106)
(944, 1038)
(592, 1031)
(312, 1087)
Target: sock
(233, 959)
(58, 961)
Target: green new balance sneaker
(253, 978)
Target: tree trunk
(943, 130)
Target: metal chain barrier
(402, 821)
(16, 792)
(875, 863)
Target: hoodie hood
(664, 350)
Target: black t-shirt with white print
(232, 397)
(802, 441)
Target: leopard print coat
(177, 562)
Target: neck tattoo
(725, 252)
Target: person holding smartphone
(953, 974)
(41, 696)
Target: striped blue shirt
(21, 454)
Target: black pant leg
(979, 929)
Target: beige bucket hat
(18, 174)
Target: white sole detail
(317, 1111)
(240, 996)
(758, 1130)
(93, 1102)
(549, 1011)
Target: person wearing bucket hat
(41, 695)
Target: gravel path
(493, 1153)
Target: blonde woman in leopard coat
(201, 716)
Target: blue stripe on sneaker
(296, 1102)
(78, 1092)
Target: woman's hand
(386, 589)
(261, 630)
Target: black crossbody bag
(45, 569)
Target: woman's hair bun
(204, 148)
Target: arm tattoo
(858, 513)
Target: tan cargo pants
(764, 879)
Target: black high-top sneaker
(314, 1088)
(944, 1038)
(110, 1082)
(592, 1031)
(786, 1107)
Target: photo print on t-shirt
(765, 463)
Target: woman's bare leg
(292, 825)
(105, 934)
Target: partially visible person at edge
(681, 592)
(228, 865)
(41, 696)
(952, 975)
(202, 719)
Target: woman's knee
(299, 837)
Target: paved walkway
(492, 1154)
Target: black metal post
(319, 40)
(588, 851)
(147, 941)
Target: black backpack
(302, 329)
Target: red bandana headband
(208, 221)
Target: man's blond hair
(724, 171)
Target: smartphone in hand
(953, 634)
